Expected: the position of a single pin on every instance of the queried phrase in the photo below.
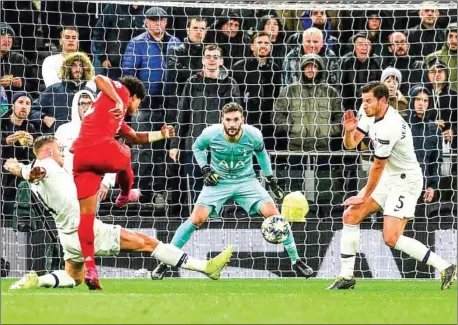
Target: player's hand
(350, 122)
(167, 131)
(210, 177)
(272, 183)
(173, 154)
(118, 111)
(448, 135)
(10, 163)
(36, 174)
(49, 121)
(102, 193)
(429, 195)
(354, 200)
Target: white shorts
(398, 195)
(107, 242)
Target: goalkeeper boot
(159, 272)
(343, 284)
(91, 278)
(302, 269)
(217, 264)
(447, 276)
(28, 281)
(122, 200)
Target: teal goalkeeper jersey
(232, 161)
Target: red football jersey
(98, 124)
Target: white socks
(349, 245)
(56, 279)
(420, 252)
(171, 255)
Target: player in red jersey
(96, 152)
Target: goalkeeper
(231, 176)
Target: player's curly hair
(134, 85)
(378, 88)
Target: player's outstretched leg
(125, 179)
(182, 235)
(56, 279)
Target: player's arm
(27, 172)
(131, 136)
(105, 85)
(353, 132)
(200, 147)
(375, 173)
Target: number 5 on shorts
(400, 204)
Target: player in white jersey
(57, 190)
(394, 185)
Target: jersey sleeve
(258, 140)
(200, 146)
(124, 129)
(363, 121)
(385, 141)
(49, 165)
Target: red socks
(86, 237)
(125, 179)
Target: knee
(351, 217)
(197, 219)
(390, 238)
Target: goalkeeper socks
(349, 245)
(183, 233)
(290, 246)
(86, 237)
(171, 255)
(125, 179)
(420, 252)
(57, 279)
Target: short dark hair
(41, 141)
(212, 47)
(378, 88)
(134, 85)
(69, 28)
(196, 18)
(259, 34)
(231, 107)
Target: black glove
(210, 177)
(277, 190)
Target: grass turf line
(277, 301)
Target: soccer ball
(275, 229)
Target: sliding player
(231, 176)
(395, 182)
(57, 191)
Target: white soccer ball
(275, 229)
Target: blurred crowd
(294, 71)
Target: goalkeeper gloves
(276, 190)
(210, 177)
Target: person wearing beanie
(17, 140)
(392, 78)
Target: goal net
(294, 66)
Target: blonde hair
(66, 68)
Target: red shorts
(91, 163)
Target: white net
(264, 48)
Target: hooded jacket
(309, 114)
(427, 139)
(68, 132)
(424, 41)
(329, 40)
(200, 105)
(279, 51)
(446, 55)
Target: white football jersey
(57, 191)
(392, 139)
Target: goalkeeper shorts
(107, 242)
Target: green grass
(232, 301)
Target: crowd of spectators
(294, 71)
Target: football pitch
(260, 301)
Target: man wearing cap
(17, 141)
(15, 71)
(145, 57)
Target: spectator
(146, 58)
(117, 25)
(230, 38)
(426, 138)
(204, 94)
(312, 43)
(426, 37)
(17, 141)
(52, 108)
(272, 25)
(357, 69)
(259, 78)
(376, 33)
(318, 19)
(411, 70)
(185, 61)
(444, 100)
(15, 71)
(448, 53)
(392, 78)
(69, 39)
